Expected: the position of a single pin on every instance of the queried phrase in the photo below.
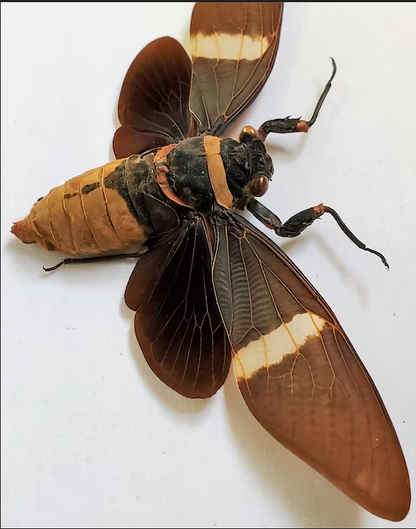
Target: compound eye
(259, 186)
(250, 131)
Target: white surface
(90, 437)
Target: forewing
(234, 46)
(300, 376)
(178, 324)
(153, 107)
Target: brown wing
(178, 324)
(300, 376)
(154, 101)
(234, 46)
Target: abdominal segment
(89, 214)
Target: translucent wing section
(153, 107)
(178, 324)
(233, 47)
(301, 377)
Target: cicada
(208, 287)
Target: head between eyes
(248, 166)
(262, 165)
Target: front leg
(288, 124)
(299, 222)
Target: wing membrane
(234, 47)
(154, 100)
(178, 324)
(300, 376)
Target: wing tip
(399, 512)
(393, 515)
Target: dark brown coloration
(178, 325)
(224, 85)
(160, 159)
(259, 186)
(68, 196)
(153, 106)
(318, 401)
(209, 281)
(90, 187)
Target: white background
(91, 438)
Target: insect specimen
(209, 288)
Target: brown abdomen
(85, 215)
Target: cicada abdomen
(95, 212)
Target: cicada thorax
(98, 211)
(208, 170)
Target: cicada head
(249, 168)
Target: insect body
(110, 208)
(208, 288)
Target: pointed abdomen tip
(21, 231)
